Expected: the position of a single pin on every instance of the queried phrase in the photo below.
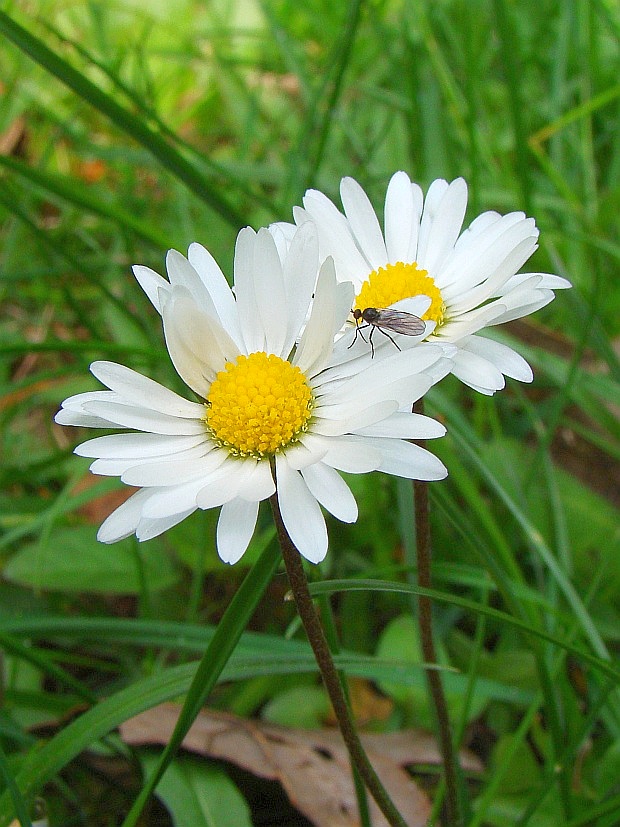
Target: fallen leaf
(366, 703)
(13, 137)
(311, 765)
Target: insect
(386, 319)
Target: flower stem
(433, 676)
(318, 641)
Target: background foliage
(129, 128)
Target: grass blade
(133, 126)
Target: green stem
(433, 676)
(318, 641)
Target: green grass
(126, 129)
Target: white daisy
(269, 400)
(470, 277)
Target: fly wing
(400, 322)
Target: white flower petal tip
(473, 272)
(235, 528)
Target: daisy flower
(470, 278)
(274, 411)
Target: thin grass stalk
(433, 677)
(334, 645)
(342, 53)
(329, 673)
(569, 756)
(21, 808)
(510, 54)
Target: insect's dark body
(385, 319)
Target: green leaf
(300, 706)
(72, 560)
(199, 793)
(400, 642)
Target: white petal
(182, 274)
(316, 343)
(332, 492)
(480, 224)
(198, 462)
(504, 269)
(224, 484)
(218, 288)
(283, 233)
(128, 446)
(404, 459)
(110, 467)
(445, 225)
(399, 366)
(471, 264)
(235, 528)
(342, 419)
(521, 303)
(417, 305)
(547, 281)
(364, 223)
(171, 499)
(402, 221)
(301, 513)
(269, 292)
(67, 416)
(435, 193)
(352, 454)
(140, 390)
(153, 285)
(418, 206)
(505, 359)
(477, 372)
(404, 425)
(336, 238)
(411, 388)
(440, 369)
(259, 484)
(76, 402)
(124, 520)
(456, 329)
(301, 267)
(343, 302)
(141, 419)
(249, 322)
(148, 528)
(312, 448)
(74, 412)
(198, 345)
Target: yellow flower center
(398, 281)
(258, 405)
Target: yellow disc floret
(398, 281)
(258, 405)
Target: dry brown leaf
(13, 136)
(311, 765)
(367, 704)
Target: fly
(386, 319)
